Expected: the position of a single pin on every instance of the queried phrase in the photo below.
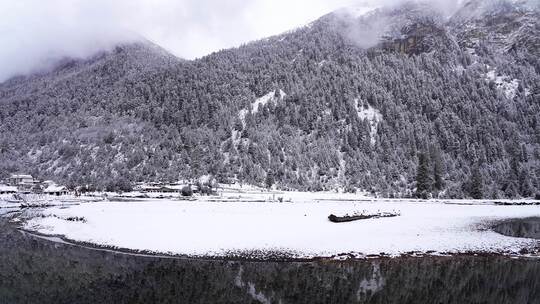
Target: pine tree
(423, 181)
(525, 185)
(476, 189)
(269, 181)
(438, 183)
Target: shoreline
(277, 256)
(346, 242)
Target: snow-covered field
(40, 200)
(300, 227)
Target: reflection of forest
(38, 271)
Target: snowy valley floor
(300, 228)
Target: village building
(25, 183)
(55, 190)
(147, 188)
(16, 179)
(180, 187)
(177, 187)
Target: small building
(173, 188)
(5, 189)
(147, 188)
(56, 190)
(169, 189)
(16, 179)
(25, 183)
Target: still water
(34, 270)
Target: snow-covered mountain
(412, 27)
(349, 101)
(506, 25)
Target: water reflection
(39, 271)
(523, 228)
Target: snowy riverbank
(301, 227)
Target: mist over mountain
(350, 101)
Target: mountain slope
(325, 106)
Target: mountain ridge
(349, 117)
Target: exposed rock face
(411, 28)
(417, 38)
(415, 28)
(505, 25)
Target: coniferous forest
(436, 106)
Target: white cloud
(34, 33)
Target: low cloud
(34, 33)
(367, 30)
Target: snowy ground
(300, 227)
(40, 200)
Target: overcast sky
(35, 33)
